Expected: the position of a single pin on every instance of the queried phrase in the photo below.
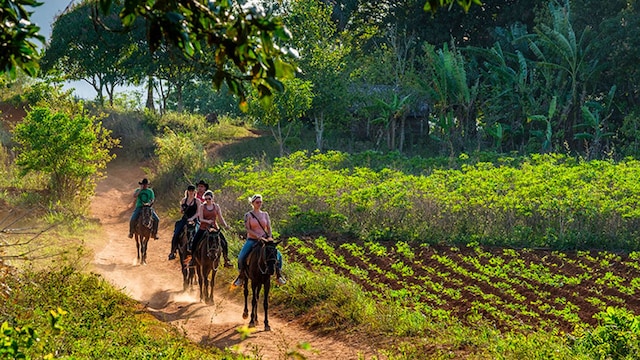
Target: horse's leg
(255, 288)
(207, 288)
(202, 277)
(267, 286)
(145, 243)
(138, 248)
(245, 313)
(185, 274)
(211, 284)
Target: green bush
(70, 149)
(617, 336)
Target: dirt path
(158, 285)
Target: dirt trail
(158, 284)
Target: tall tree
(82, 51)
(323, 60)
(283, 114)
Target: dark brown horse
(207, 258)
(188, 273)
(142, 232)
(261, 265)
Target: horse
(188, 273)
(207, 258)
(259, 267)
(142, 232)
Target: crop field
(514, 289)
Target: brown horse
(207, 259)
(142, 232)
(261, 265)
(188, 273)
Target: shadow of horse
(207, 259)
(261, 265)
(188, 272)
(142, 232)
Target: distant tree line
(507, 76)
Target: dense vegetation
(510, 234)
(508, 76)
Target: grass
(97, 322)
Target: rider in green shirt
(144, 196)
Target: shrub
(72, 150)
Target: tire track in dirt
(158, 284)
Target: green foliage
(100, 322)
(284, 113)
(131, 128)
(16, 339)
(616, 337)
(545, 200)
(17, 34)
(72, 150)
(248, 50)
(178, 158)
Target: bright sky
(44, 15)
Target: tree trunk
(319, 125)
(402, 125)
(179, 97)
(150, 104)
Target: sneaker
(238, 281)
(282, 280)
(227, 264)
(130, 236)
(172, 256)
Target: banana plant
(390, 112)
(546, 135)
(595, 115)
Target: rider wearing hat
(144, 196)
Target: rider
(189, 207)
(202, 187)
(144, 195)
(258, 225)
(209, 214)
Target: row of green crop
(402, 276)
(556, 291)
(544, 201)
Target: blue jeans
(246, 248)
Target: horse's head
(271, 255)
(145, 216)
(213, 237)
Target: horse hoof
(252, 324)
(267, 328)
(245, 315)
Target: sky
(44, 15)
